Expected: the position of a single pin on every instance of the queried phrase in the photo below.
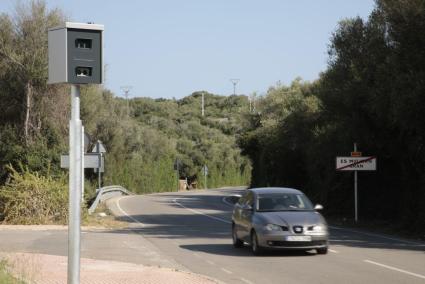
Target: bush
(30, 198)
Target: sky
(166, 48)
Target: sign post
(356, 163)
(100, 150)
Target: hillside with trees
(372, 93)
(144, 137)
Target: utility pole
(203, 104)
(355, 191)
(234, 82)
(126, 90)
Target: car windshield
(283, 202)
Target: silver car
(278, 218)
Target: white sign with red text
(356, 163)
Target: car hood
(292, 218)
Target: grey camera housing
(75, 54)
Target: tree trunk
(28, 94)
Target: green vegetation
(5, 276)
(144, 137)
(372, 93)
(29, 198)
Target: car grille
(298, 229)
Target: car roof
(274, 190)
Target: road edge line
(377, 236)
(395, 269)
(200, 213)
(117, 202)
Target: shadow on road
(363, 240)
(229, 250)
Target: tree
(23, 58)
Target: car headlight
(273, 227)
(319, 229)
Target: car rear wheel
(237, 243)
(322, 250)
(255, 247)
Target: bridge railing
(107, 192)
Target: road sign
(91, 161)
(356, 154)
(356, 163)
(98, 147)
(102, 164)
(205, 169)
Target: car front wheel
(255, 247)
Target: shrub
(30, 198)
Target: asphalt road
(193, 230)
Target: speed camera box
(75, 54)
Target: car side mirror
(318, 207)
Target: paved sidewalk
(52, 269)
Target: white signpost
(99, 149)
(356, 163)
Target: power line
(234, 82)
(126, 90)
(203, 103)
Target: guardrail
(107, 192)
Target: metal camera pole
(76, 184)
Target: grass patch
(5, 276)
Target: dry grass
(109, 221)
(19, 269)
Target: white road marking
(227, 271)
(201, 213)
(246, 281)
(377, 236)
(395, 269)
(334, 251)
(210, 262)
(125, 213)
(197, 255)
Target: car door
(247, 210)
(237, 214)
